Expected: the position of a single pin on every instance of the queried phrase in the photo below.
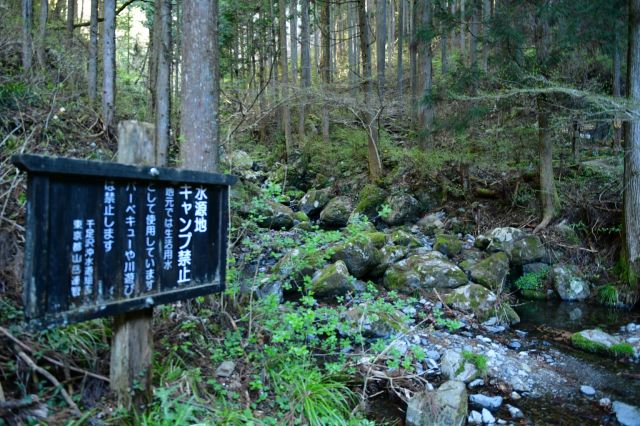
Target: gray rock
(503, 239)
(487, 417)
(431, 223)
(568, 284)
(515, 345)
(389, 256)
(476, 383)
(515, 412)
(448, 245)
(528, 249)
(276, 216)
(225, 369)
(336, 213)
(423, 271)
(491, 272)
(489, 402)
(627, 415)
(515, 396)
(315, 200)
(359, 254)
(239, 160)
(434, 355)
(403, 238)
(604, 403)
(404, 209)
(587, 390)
(332, 281)
(480, 301)
(482, 242)
(594, 340)
(475, 418)
(455, 367)
(534, 268)
(446, 406)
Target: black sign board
(107, 238)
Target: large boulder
(404, 209)
(314, 201)
(445, 407)
(336, 213)
(503, 239)
(400, 237)
(370, 198)
(568, 284)
(431, 223)
(424, 271)
(455, 367)
(482, 302)
(491, 272)
(297, 264)
(389, 256)
(626, 415)
(448, 245)
(276, 216)
(332, 281)
(528, 249)
(359, 254)
(598, 341)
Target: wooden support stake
(132, 344)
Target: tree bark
(425, 108)
(632, 154)
(27, 40)
(401, 18)
(375, 165)
(305, 53)
(463, 30)
(42, 36)
(381, 41)
(200, 86)
(162, 105)
(486, 17)
(294, 42)
(474, 34)
(325, 63)
(617, 91)
(353, 71)
(109, 65)
(92, 73)
(284, 68)
(391, 36)
(71, 15)
(443, 46)
(413, 66)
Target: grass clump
(608, 295)
(531, 285)
(479, 360)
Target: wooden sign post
(111, 239)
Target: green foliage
(384, 211)
(167, 410)
(532, 284)
(479, 360)
(608, 295)
(450, 324)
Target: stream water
(611, 379)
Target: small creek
(615, 380)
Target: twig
(53, 380)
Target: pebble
(487, 417)
(432, 364)
(495, 328)
(483, 338)
(515, 345)
(434, 355)
(587, 390)
(502, 422)
(476, 383)
(489, 402)
(604, 403)
(515, 412)
(225, 369)
(491, 321)
(521, 333)
(515, 396)
(475, 418)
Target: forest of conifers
(414, 176)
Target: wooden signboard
(107, 238)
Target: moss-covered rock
(503, 239)
(370, 198)
(300, 216)
(491, 272)
(377, 238)
(297, 264)
(242, 194)
(314, 201)
(423, 271)
(275, 216)
(568, 284)
(528, 249)
(404, 209)
(597, 341)
(359, 254)
(446, 406)
(431, 224)
(332, 281)
(336, 213)
(448, 245)
(389, 256)
(482, 302)
(456, 367)
(400, 237)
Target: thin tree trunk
(632, 154)
(375, 165)
(325, 63)
(284, 68)
(353, 70)
(44, 15)
(425, 108)
(391, 37)
(177, 43)
(316, 50)
(27, 41)
(200, 89)
(463, 30)
(305, 53)
(413, 66)
(443, 46)
(381, 41)
(401, 19)
(92, 74)
(486, 17)
(71, 15)
(294, 42)
(617, 91)
(473, 37)
(163, 79)
(109, 65)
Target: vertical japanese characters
(76, 258)
(167, 254)
(150, 238)
(129, 282)
(185, 234)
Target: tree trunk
(92, 73)
(401, 19)
(375, 165)
(381, 41)
(200, 86)
(463, 30)
(305, 53)
(473, 37)
(443, 46)
(391, 36)
(109, 65)
(294, 42)
(325, 63)
(27, 41)
(486, 17)
(162, 105)
(353, 70)
(44, 15)
(425, 108)
(549, 201)
(71, 15)
(632, 154)
(413, 66)
(284, 68)
(617, 91)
